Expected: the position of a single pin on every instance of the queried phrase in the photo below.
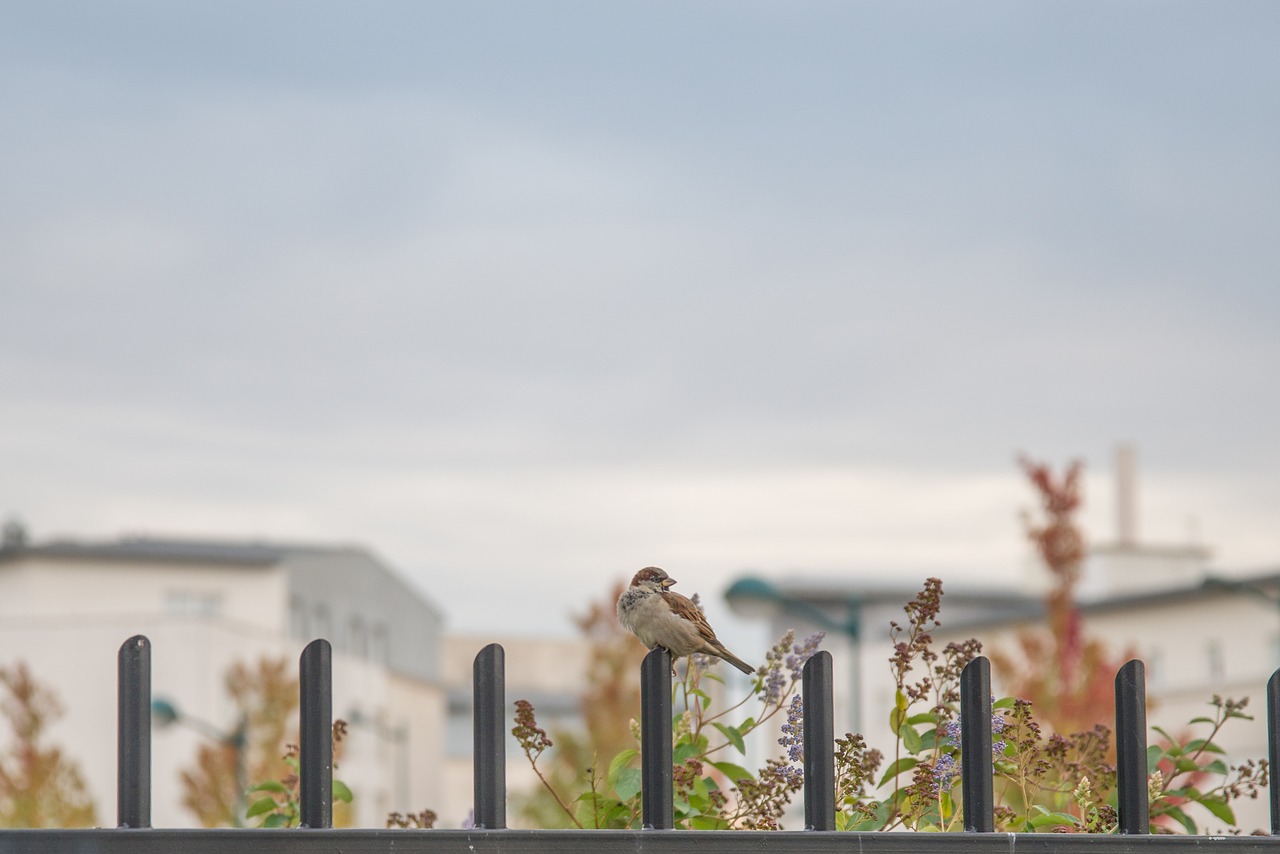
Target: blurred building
(66, 607)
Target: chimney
(1126, 496)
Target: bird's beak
(667, 582)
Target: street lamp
(753, 597)
(165, 713)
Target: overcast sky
(525, 296)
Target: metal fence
(491, 835)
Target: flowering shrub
(712, 791)
(1063, 783)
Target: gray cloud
(493, 285)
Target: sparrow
(649, 610)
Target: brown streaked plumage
(658, 617)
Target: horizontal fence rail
(294, 841)
(134, 833)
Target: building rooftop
(173, 550)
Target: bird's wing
(684, 608)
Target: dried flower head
(532, 738)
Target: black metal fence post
(315, 734)
(1273, 748)
(976, 775)
(134, 834)
(1131, 748)
(656, 785)
(819, 743)
(488, 677)
(133, 733)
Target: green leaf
(615, 816)
(1220, 808)
(734, 736)
(622, 760)
(604, 812)
(700, 792)
(1051, 819)
(1203, 720)
(1217, 766)
(1183, 819)
(900, 701)
(341, 792)
(276, 820)
(270, 786)
(1154, 755)
(628, 783)
(1202, 744)
(1004, 703)
(906, 763)
(683, 752)
(586, 812)
(923, 718)
(733, 772)
(911, 739)
(708, 822)
(1184, 764)
(1174, 748)
(260, 806)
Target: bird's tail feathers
(736, 662)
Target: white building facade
(65, 609)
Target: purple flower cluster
(791, 776)
(944, 771)
(774, 685)
(784, 665)
(945, 768)
(951, 733)
(793, 731)
(997, 727)
(801, 653)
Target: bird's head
(652, 578)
